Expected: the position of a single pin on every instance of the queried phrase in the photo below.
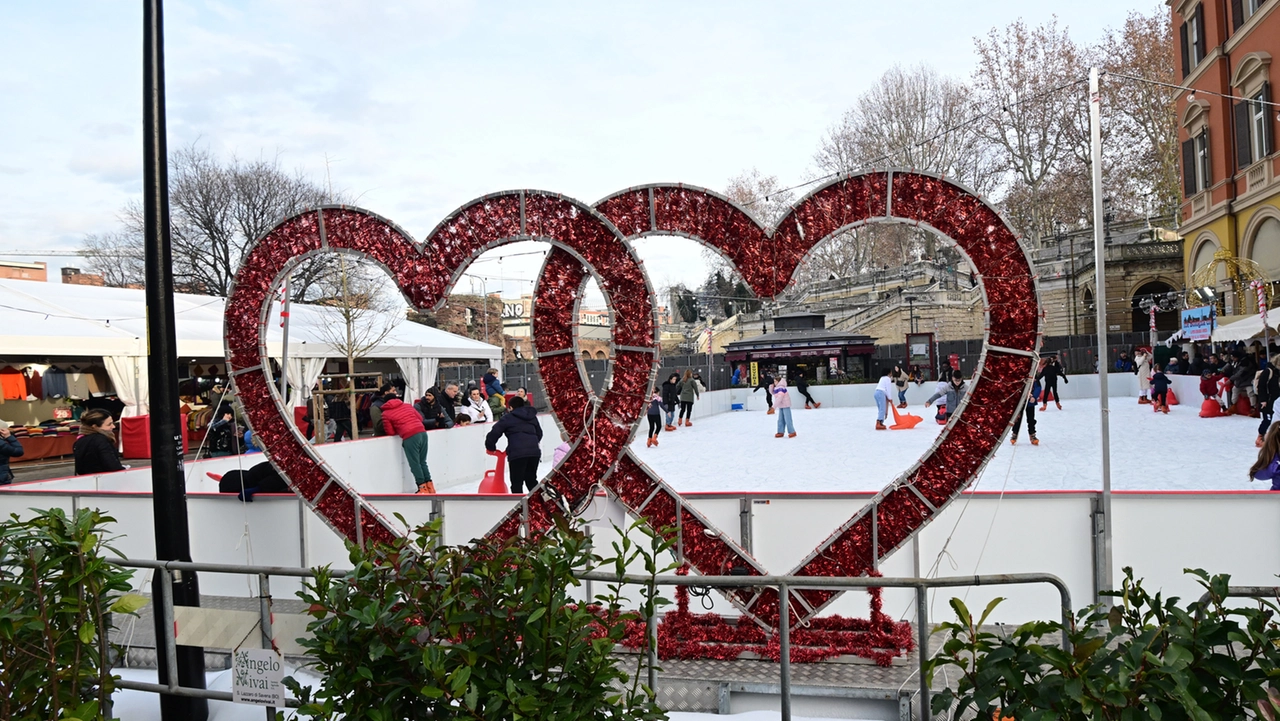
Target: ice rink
(837, 449)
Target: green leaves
(130, 603)
(56, 591)
(1146, 657)
(490, 631)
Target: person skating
(900, 379)
(689, 392)
(655, 419)
(671, 399)
(1049, 374)
(1142, 366)
(524, 433)
(765, 382)
(782, 402)
(802, 385)
(1242, 379)
(1160, 390)
(954, 393)
(883, 394)
(401, 419)
(1029, 409)
(1267, 466)
(1267, 389)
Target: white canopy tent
(1246, 328)
(45, 320)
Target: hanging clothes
(35, 386)
(98, 380)
(13, 385)
(55, 383)
(77, 384)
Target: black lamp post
(168, 484)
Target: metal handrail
(784, 584)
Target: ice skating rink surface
(837, 449)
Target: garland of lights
(601, 428)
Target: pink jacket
(781, 398)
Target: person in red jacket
(402, 420)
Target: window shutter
(1200, 34)
(1269, 120)
(1208, 161)
(1237, 14)
(1186, 54)
(1188, 168)
(1244, 151)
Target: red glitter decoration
(602, 428)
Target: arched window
(586, 355)
(600, 355)
(1265, 248)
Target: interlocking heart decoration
(591, 240)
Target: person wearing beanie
(654, 417)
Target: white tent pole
(284, 345)
(1100, 302)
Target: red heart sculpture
(602, 428)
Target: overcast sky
(422, 106)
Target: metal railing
(783, 584)
(165, 570)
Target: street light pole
(1104, 583)
(168, 482)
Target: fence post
(784, 648)
(922, 633)
(264, 608)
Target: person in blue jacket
(492, 386)
(9, 448)
(1030, 411)
(524, 435)
(1267, 467)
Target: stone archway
(1153, 289)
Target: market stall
(69, 347)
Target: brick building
(1227, 129)
(17, 270)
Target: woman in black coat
(9, 448)
(524, 435)
(95, 448)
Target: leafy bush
(476, 632)
(55, 591)
(1146, 657)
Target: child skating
(782, 402)
(656, 407)
(1160, 390)
(1030, 411)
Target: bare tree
(367, 317)
(1026, 84)
(912, 118)
(114, 256)
(1143, 116)
(217, 209)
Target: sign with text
(755, 374)
(256, 674)
(1197, 323)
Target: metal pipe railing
(784, 584)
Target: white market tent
(1246, 328)
(58, 320)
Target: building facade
(1227, 127)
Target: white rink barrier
(1157, 533)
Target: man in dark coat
(262, 478)
(766, 381)
(524, 435)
